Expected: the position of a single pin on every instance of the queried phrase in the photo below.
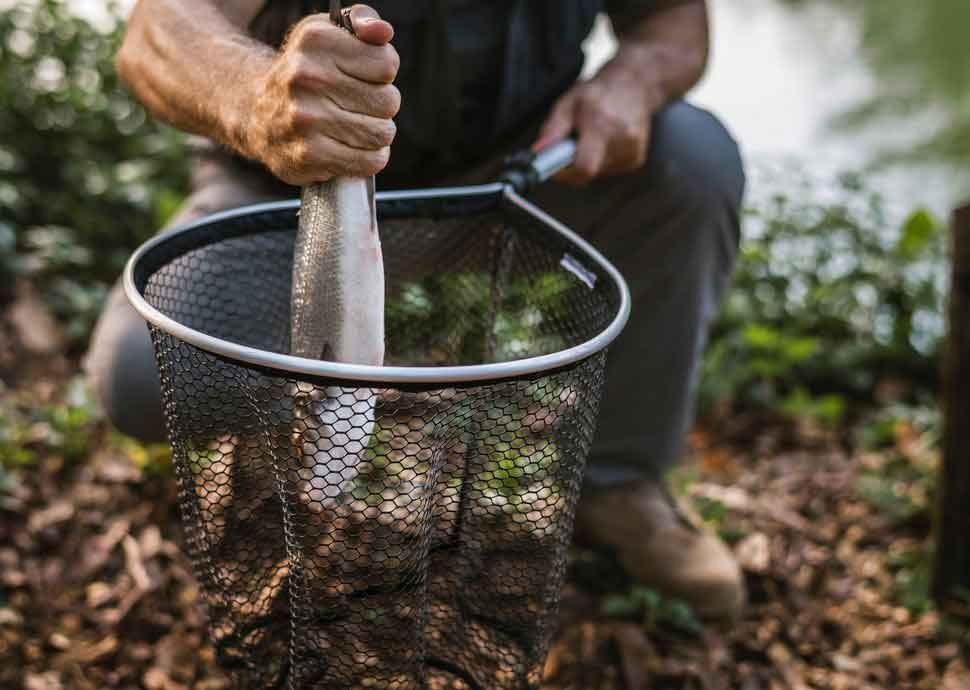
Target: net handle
(526, 170)
(553, 159)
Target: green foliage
(891, 491)
(921, 58)
(912, 578)
(655, 612)
(457, 309)
(710, 510)
(517, 469)
(70, 428)
(154, 459)
(900, 474)
(512, 472)
(85, 175)
(14, 440)
(65, 428)
(914, 430)
(828, 409)
(829, 300)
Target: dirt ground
(96, 594)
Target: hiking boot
(662, 548)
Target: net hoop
(445, 375)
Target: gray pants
(671, 228)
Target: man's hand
(325, 105)
(661, 55)
(321, 106)
(610, 114)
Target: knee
(121, 369)
(693, 153)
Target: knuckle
(390, 132)
(384, 133)
(310, 32)
(612, 122)
(385, 72)
(388, 101)
(595, 118)
(629, 131)
(368, 136)
(388, 65)
(302, 118)
(383, 158)
(300, 71)
(372, 162)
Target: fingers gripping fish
(337, 314)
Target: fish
(338, 275)
(337, 314)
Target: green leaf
(800, 349)
(761, 336)
(829, 408)
(680, 615)
(918, 230)
(167, 203)
(650, 598)
(620, 606)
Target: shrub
(85, 175)
(831, 299)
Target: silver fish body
(338, 315)
(338, 275)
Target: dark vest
(440, 128)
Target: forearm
(665, 49)
(190, 63)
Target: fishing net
(404, 533)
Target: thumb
(558, 125)
(369, 27)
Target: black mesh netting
(372, 536)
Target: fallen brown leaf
(135, 564)
(754, 553)
(635, 650)
(55, 513)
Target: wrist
(239, 126)
(638, 66)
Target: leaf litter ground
(95, 592)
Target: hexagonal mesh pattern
(381, 536)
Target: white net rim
(445, 375)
